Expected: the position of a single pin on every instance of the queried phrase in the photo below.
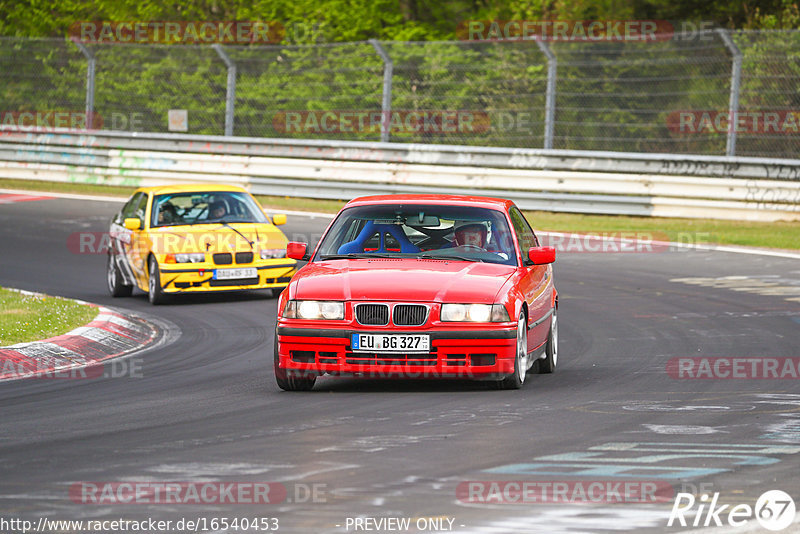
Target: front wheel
(154, 292)
(548, 363)
(288, 380)
(116, 285)
(517, 378)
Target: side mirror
(542, 255)
(296, 251)
(279, 219)
(132, 223)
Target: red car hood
(401, 279)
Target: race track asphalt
(206, 407)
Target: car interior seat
(369, 231)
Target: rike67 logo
(774, 510)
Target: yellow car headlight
(191, 257)
(270, 253)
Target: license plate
(391, 343)
(232, 274)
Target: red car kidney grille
(409, 314)
(372, 314)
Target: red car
(420, 286)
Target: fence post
(736, 80)
(90, 73)
(550, 94)
(386, 102)
(230, 92)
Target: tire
(548, 364)
(287, 380)
(517, 378)
(154, 292)
(116, 284)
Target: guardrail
(665, 185)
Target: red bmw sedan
(420, 286)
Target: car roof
(450, 200)
(187, 188)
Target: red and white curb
(10, 198)
(109, 335)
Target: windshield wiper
(226, 225)
(447, 257)
(357, 255)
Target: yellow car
(195, 238)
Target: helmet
(167, 213)
(471, 233)
(214, 206)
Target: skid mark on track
(276, 430)
(768, 285)
(192, 470)
(683, 429)
(379, 443)
(764, 403)
(494, 415)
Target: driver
(167, 214)
(471, 234)
(217, 210)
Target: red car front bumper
(485, 354)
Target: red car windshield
(422, 231)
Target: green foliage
(610, 96)
(394, 20)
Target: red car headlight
(476, 313)
(314, 309)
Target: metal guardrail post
(550, 95)
(386, 102)
(736, 80)
(230, 92)
(90, 74)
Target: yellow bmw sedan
(195, 238)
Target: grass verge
(25, 318)
(780, 235)
(301, 204)
(64, 187)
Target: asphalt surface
(206, 407)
